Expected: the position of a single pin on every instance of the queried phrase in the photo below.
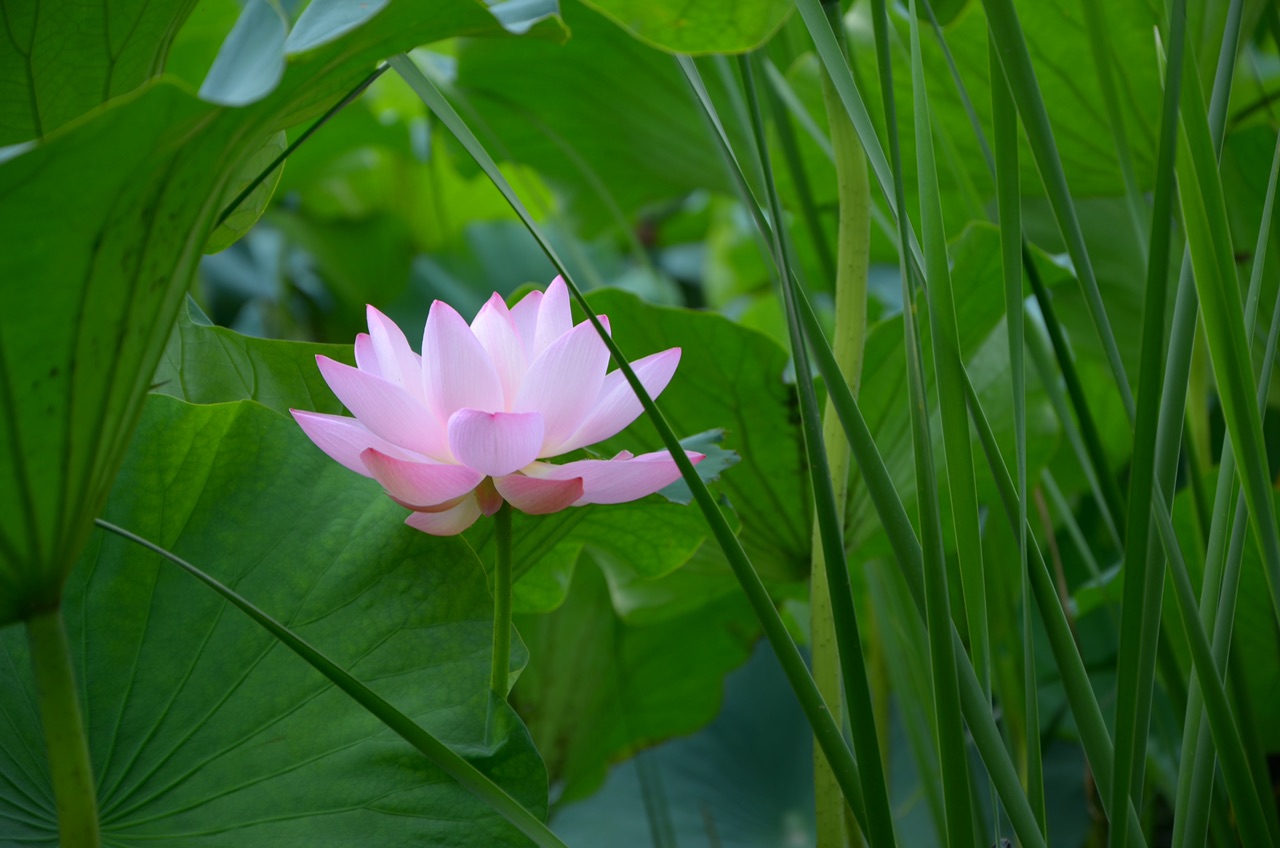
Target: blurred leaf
(59, 58)
(200, 724)
(603, 103)
(708, 26)
(251, 61)
(103, 278)
(597, 689)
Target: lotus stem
(500, 673)
(853, 244)
(65, 740)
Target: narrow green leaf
(1143, 566)
(1014, 56)
(957, 452)
(1009, 207)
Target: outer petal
(386, 409)
(624, 478)
(366, 359)
(419, 484)
(457, 371)
(539, 496)
(617, 405)
(447, 522)
(525, 316)
(496, 330)
(344, 439)
(396, 360)
(495, 443)
(563, 384)
(554, 317)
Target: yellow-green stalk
(834, 828)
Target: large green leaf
(201, 726)
(598, 689)
(708, 26)
(91, 289)
(59, 59)
(207, 364)
(731, 378)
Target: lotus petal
(495, 443)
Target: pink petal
(397, 362)
(495, 443)
(366, 359)
(624, 478)
(344, 439)
(458, 372)
(386, 409)
(447, 522)
(554, 317)
(616, 405)
(539, 496)
(563, 384)
(525, 317)
(419, 484)
(496, 330)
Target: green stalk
(440, 754)
(500, 672)
(853, 253)
(1144, 570)
(878, 820)
(826, 731)
(65, 741)
(1009, 206)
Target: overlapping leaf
(201, 725)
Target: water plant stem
(500, 673)
(65, 741)
(853, 245)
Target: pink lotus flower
(453, 433)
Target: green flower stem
(853, 246)
(63, 731)
(500, 673)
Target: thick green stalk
(500, 672)
(65, 741)
(1144, 573)
(878, 821)
(853, 249)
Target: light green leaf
(708, 26)
(200, 723)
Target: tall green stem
(500, 673)
(63, 731)
(853, 245)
